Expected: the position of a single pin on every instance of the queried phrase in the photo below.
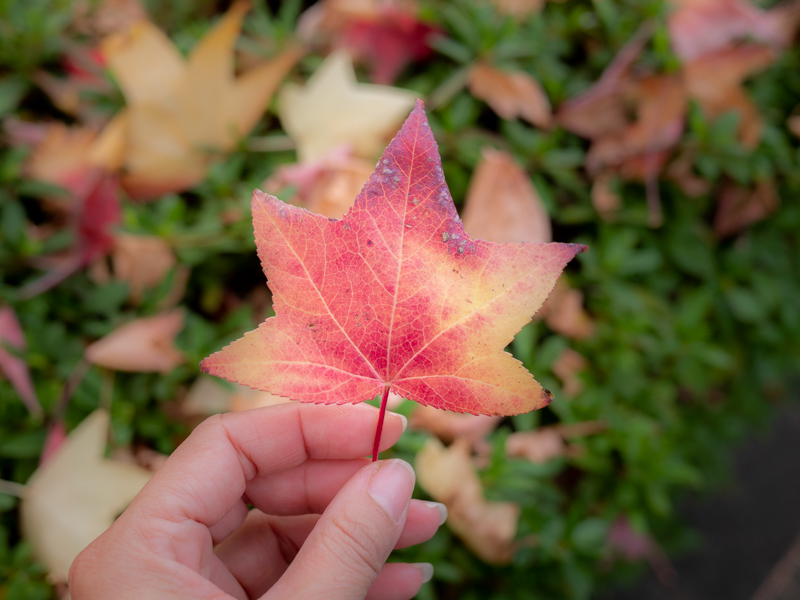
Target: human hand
(189, 534)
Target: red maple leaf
(395, 296)
(389, 43)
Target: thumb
(353, 538)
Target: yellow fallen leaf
(502, 205)
(510, 94)
(180, 111)
(143, 345)
(449, 476)
(76, 496)
(209, 395)
(333, 109)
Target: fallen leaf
(715, 82)
(502, 205)
(700, 27)
(605, 199)
(327, 186)
(448, 426)
(567, 367)
(519, 9)
(141, 261)
(183, 110)
(107, 16)
(76, 495)
(546, 443)
(564, 313)
(333, 109)
(14, 368)
(449, 476)
(739, 207)
(510, 94)
(793, 124)
(389, 44)
(393, 297)
(144, 345)
(681, 171)
(209, 395)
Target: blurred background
(661, 133)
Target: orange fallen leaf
(327, 186)
(14, 368)
(448, 426)
(143, 345)
(333, 109)
(510, 94)
(180, 110)
(141, 261)
(739, 207)
(76, 495)
(502, 205)
(700, 27)
(564, 313)
(209, 395)
(715, 82)
(567, 367)
(449, 476)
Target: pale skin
(324, 522)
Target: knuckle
(346, 539)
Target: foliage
(695, 334)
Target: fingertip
(426, 569)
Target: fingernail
(391, 486)
(441, 508)
(427, 571)
(403, 418)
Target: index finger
(208, 474)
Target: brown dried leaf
(141, 261)
(564, 313)
(605, 200)
(739, 207)
(143, 345)
(449, 476)
(448, 426)
(567, 367)
(715, 82)
(511, 95)
(502, 205)
(546, 443)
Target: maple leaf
(333, 109)
(393, 297)
(179, 109)
(510, 94)
(76, 495)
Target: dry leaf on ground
(739, 207)
(449, 476)
(448, 426)
(605, 199)
(180, 109)
(564, 313)
(14, 368)
(715, 82)
(76, 495)
(106, 16)
(141, 261)
(327, 186)
(143, 345)
(699, 27)
(510, 94)
(567, 367)
(502, 205)
(333, 109)
(546, 443)
(209, 395)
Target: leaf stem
(379, 429)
